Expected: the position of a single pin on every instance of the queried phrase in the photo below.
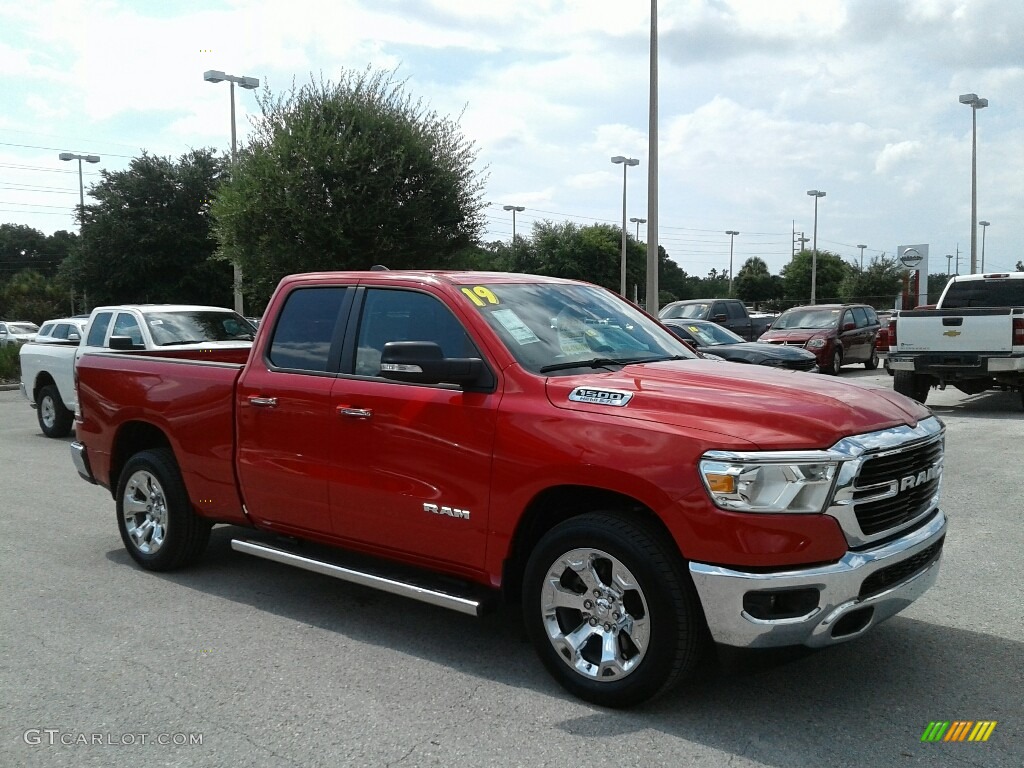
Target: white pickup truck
(48, 368)
(973, 339)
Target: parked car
(730, 313)
(63, 331)
(712, 339)
(837, 334)
(16, 332)
(884, 338)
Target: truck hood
(749, 405)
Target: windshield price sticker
(612, 397)
(481, 296)
(514, 325)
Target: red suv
(837, 334)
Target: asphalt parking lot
(265, 665)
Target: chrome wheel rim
(48, 412)
(145, 512)
(595, 615)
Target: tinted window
(305, 329)
(127, 325)
(736, 311)
(860, 317)
(98, 329)
(46, 329)
(984, 293)
(872, 317)
(394, 315)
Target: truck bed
(956, 330)
(189, 395)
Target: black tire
(158, 526)
(837, 361)
(872, 362)
(663, 607)
(888, 368)
(54, 419)
(913, 385)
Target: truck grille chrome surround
(889, 482)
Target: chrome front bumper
(839, 588)
(81, 461)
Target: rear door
(414, 461)
(287, 425)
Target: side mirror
(423, 362)
(74, 337)
(718, 318)
(123, 343)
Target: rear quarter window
(305, 331)
(98, 329)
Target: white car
(62, 331)
(12, 332)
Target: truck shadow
(862, 703)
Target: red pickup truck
(461, 437)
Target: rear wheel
(837, 361)
(54, 419)
(154, 515)
(611, 610)
(872, 362)
(913, 385)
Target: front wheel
(611, 610)
(54, 419)
(158, 526)
(913, 385)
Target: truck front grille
(882, 514)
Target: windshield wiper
(604, 362)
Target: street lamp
(81, 186)
(949, 264)
(249, 83)
(732, 236)
(972, 100)
(862, 247)
(625, 162)
(984, 225)
(638, 223)
(814, 259)
(514, 209)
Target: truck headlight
(816, 343)
(765, 482)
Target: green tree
(754, 282)
(344, 176)
(148, 236)
(878, 285)
(30, 295)
(796, 277)
(1020, 266)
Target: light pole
(862, 247)
(814, 259)
(949, 264)
(732, 236)
(625, 162)
(984, 225)
(249, 83)
(514, 209)
(638, 223)
(81, 186)
(972, 100)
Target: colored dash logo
(958, 730)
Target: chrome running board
(467, 605)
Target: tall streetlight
(862, 247)
(814, 259)
(625, 162)
(732, 236)
(514, 209)
(638, 223)
(972, 100)
(81, 186)
(249, 83)
(984, 226)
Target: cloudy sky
(760, 101)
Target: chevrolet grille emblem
(951, 333)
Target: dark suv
(837, 334)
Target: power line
(55, 149)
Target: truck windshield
(198, 326)
(552, 326)
(685, 310)
(994, 292)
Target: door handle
(355, 413)
(263, 402)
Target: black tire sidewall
(62, 417)
(666, 594)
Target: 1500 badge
(613, 397)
